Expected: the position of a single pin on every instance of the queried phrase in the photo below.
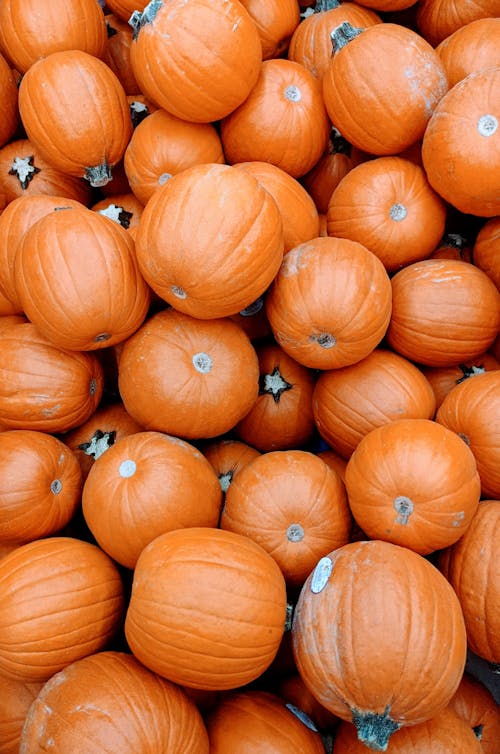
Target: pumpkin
(351, 401)
(44, 387)
(211, 382)
(162, 146)
(117, 53)
(463, 131)
(16, 698)
(334, 460)
(140, 107)
(381, 86)
(109, 702)
(444, 312)
(124, 209)
(40, 485)
(444, 733)
(486, 249)
(298, 211)
(470, 48)
(23, 172)
(132, 493)
(443, 379)
(297, 696)
(311, 45)
(475, 704)
(330, 303)
(207, 608)
(376, 605)
(276, 21)
(253, 720)
(437, 19)
(392, 500)
(210, 240)
(471, 567)
(282, 416)
(108, 424)
(387, 205)
(75, 111)
(124, 8)
(30, 31)
(282, 121)
(292, 504)
(198, 59)
(453, 246)
(253, 320)
(472, 410)
(8, 90)
(227, 458)
(62, 599)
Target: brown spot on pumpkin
(102, 337)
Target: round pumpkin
(437, 19)
(16, 698)
(390, 497)
(486, 249)
(75, 111)
(110, 702)
(444, 312)
(292, 504)
(351, 401)
(475, 704)
(376, 605)
(8, 90)
(469, 48)
(227, 458)
(124, 8)
(132, 493)
(207, 608)
(62, 599)
(330, 303)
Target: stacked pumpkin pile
(249, 376)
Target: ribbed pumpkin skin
(30, 30)
(210, 241)
(207, 608)
(117, 53)
(471, 566)
(102, 298)
(82, 123)
(437, 19)
(470, 48)
(276, 21)
(444, 312)
(252, 721)
(40, 485)
(381, 88)
(330, 303)
(444, 733)
(211, 382)
(444, 379)
(293, 505)
(207, 85)
(472, 410)
(472, 103)
(390, 497)
(44, 387)
(390, 610)
(133, 492)
(16, 698)
(351, 401)
(475, 704)
(10, 114)
(486, 249)
(109, 702)
(62, 596)
(125, 8)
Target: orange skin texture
(117, 53)
(276, 22)
(443, 379)
(10, 113)
(475, 704)
(16, 698)
(470, 48)
(486, 249)
(228, 457)
(437, 19)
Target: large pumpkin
(109, 702)
(376, 606)
(210, 240)
(207, 608)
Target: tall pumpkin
(75, 111)
(373, 604)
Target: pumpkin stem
(117, 214)
(225, 480)
(374, 730)
(323, 5)
(137, 20)
(478, 731)
(343, 34)
(24, 170)
(289, 616)
(338, 144)
(273, 384)
(138, 111)
(469, 372)
(99, 442)
(454, 241)
(404, 508)
(99, 175)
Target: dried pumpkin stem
(323, 5)
(374, 730)
(24, 169)
(137, 20)
(273, 384)
(343, 34)
(99, 175)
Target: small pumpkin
(443, 379)
(469, 48)
(486, 249)
(276, 21)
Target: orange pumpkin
(132, 493)
(16, 698)
(453, 246)
(437, 19)
(228, 457)
(444, 312)
(140, 107)
(282, 416)
(387, 205)
(117, 52)
(44, 387)
(475, 704)
(297, 696)
(75, 111)
(443, 379)
(193, 586)
(373, 604)
(8, 91)
(210, 240)
(62, 599)
(469, 48)
(330, 303)
(392, 500)
(335, 461)
(486, 249)
(292, 504)
(282, 121)
(110, 702)
(211, 382)
(125, 8)
(276, 21)
(253, 320)
(351, 401)
(229, 55)
(124, 209)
